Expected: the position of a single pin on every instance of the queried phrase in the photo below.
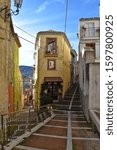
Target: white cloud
(42, 7)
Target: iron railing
(15, 124)
(90, 32)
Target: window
(51, 64)
(90, 45)
(51, 46)
(90, 29)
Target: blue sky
(42, 15)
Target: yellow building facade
(9, 45)
(17, 77)
(52, 65)
(4, 53)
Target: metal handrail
(15, 124)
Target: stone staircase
(67, 130)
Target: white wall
(89, 69)
(94, 86)
(90, 89)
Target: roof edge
(52, 32)
(93, 18)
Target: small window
(90, 45)
(90, 30)
(51, 64)
(51, 46)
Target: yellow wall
(62, 62)
(21, 98)
(17, 79)
(8, 46)
(66, 66)
(4, 54)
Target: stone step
(66, 128)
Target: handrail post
(29, 118)
(2, 128)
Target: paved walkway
(67, 130)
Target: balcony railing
(90, 32)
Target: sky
(43, 15)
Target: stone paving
(67, 130)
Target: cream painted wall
(93, 39)
(89, 70)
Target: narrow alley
(66, 129)
(58, 75)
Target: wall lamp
(8, 12)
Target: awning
(53, 79)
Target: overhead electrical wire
(24, 31)
(34, 36)
(31, 42)
(65, 26)
(27, 39)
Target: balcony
(90, 33)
